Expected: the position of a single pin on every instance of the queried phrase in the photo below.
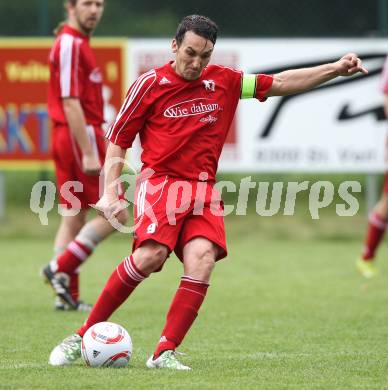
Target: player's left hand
(349, 65)
(108, 206)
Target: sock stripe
(131, 271)
(135, 268)
(192, 280)
(193, 291)
(122, 279)
(77, 251)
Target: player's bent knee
(150, 257)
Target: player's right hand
(91, 164)
(109, 206)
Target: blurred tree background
(243, 18)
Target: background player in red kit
(76, 108)
(182, 112)
(378, 218)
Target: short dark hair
(198, 24)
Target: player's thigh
(209, 226)
(152, 217)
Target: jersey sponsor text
(191, 107)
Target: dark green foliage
(153, 18)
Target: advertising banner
(338, 127)
(25, 130)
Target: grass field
(285, 310)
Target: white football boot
(167, 359)
(67, 352)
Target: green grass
(285, 310)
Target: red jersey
(74, 73)
(182, 124)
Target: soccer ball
(106, 344)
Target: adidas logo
(95, 353)
(164, 80)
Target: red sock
(74, 255)
(74, 285)
(375, 233)
(120, 285)
(182, 313)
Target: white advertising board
(338, 127)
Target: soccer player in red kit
(182, 112)
(378, 218)
(75, 106)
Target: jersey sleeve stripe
(129, 99)
(76, 64)
(65, 61)
(132, 98)
(130, 114)
(248, 86)
(134, 90)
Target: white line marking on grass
(22, 365)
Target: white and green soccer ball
(106, 344)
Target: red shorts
(173, 211)
(68, 167)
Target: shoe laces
(71, 344)
(170, 358)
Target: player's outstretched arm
(109, 205)
(299, 80)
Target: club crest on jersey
(95, 76)
(210, 85)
